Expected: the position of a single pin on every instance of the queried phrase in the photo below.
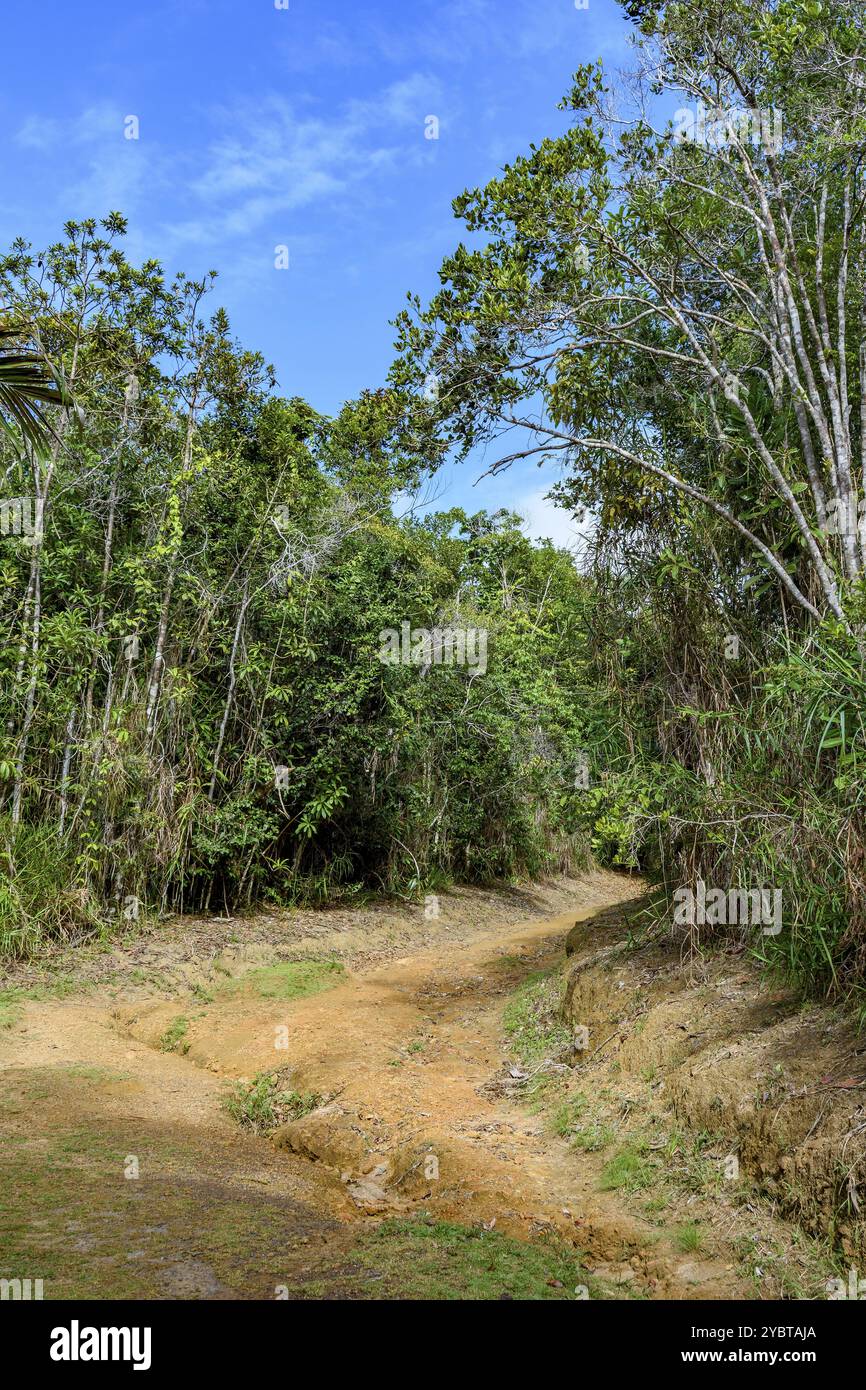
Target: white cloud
(274, 158)
(269, 157)
(544, 521)
(49, 132)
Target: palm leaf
(27, 384)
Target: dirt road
(404, 1154)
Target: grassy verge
(443, 1261)
(672, 1177)
(536, 1033)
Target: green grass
(97, 1074)
(805, 1277)
(266, 1103)
(593, 1137)
(565, 1119)
(173, 1039)
(293, 979)
(41, 896)
(70, 1216)
(688, 1237)
(628, 1170)
(10, 1007)
(689, 1163)
(443, 1261)
(569, 1120)
(535, 1031)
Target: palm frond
(27, 384)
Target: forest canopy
(198, 576)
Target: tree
(679, 313)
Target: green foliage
(27, 385)
(265, 1103)
(196, 714)
(194, 708)
(41, 896)
(174, 1037)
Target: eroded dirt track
(123, 1175)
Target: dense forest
(200, 579)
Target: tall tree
(680, 311)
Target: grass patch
(69, 1215)
(569, 1119)
(566, 1117)
(292, 979)
(504, 963)
(265, 1103)
(689, 1164)
(100, 1075)
(770, 1266)
(426, 1259)
(10, 1007)
(174, 1037)
(629, 1170)
(41, 896)
(688, 1237)
(593, 1137)
(535, 1030)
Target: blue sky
(301, 127)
